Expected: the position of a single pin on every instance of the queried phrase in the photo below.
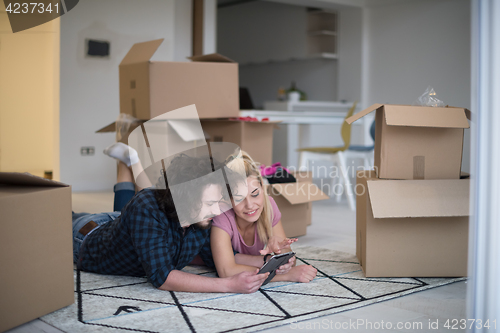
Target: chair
(335, 155)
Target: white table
(309, 106)
(301, 123)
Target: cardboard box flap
(273, 122)
(421, 116)
(213, 57)
(187, 130)
(184, 128)
(468, 114)
(315, 193)
(419, 198)
(112, 127)
(297, 193)
(467, 111)
(27, 179)
(363, 113)
(108, 128)
(141, 52)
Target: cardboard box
(412, 228)
(416, 142)
(295, 203)
(151, 88)
(305, 176)
(36, 248)
(177, 129)
(160, 138)
(112, 128)
(254, 137)
(302, 175)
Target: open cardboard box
(412, 228)
(183, 130)
(36, 248)
(416, 142)
(162, 137)
(302, 175)
(151, 88)
(112, 128)
(294, 201)
(254, 137)
(305, 176)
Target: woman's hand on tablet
(276, 244)
(286, 267)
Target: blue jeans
(124, 192)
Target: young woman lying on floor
(253, 223)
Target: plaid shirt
(143, 242)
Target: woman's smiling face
(249, 200)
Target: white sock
(122, 152)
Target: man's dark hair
(195, 174)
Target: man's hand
(246, 282)
(275, 245)
(283, 269)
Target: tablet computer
(274, 263)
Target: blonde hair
(264, 222)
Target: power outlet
(87, 151)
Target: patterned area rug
(126, 304)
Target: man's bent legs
(124, 192)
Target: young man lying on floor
(147, 238)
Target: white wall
(183, 43)
(89, 86)
(259, 31)
(209, 25)
(413, 44)
(349, 53)
(316, 77)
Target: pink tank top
(227, 222)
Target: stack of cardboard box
(149, 89)
(412, 210)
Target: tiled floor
(333, 227)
